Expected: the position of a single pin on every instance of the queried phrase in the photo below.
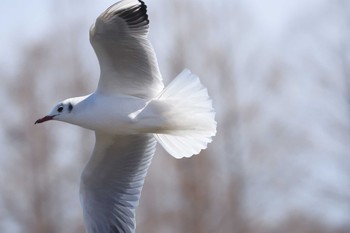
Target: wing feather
(112, 181)
(127, 60)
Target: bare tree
(215, 191)
(34, 189)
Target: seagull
(130, 111)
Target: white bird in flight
(130, 111)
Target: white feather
(191, 112)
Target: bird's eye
(60, 109)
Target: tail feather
(195, 116)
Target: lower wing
(112, 181)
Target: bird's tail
(192, 113)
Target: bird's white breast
(109, 114)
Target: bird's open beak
(45, 118)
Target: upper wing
(112, 181)
(127, 61)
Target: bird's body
(130, 112)
(121, 114)
(109, 114)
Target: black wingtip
(144, 9)
(135, 16)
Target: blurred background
(279, 76)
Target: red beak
(45, 118)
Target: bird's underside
(112, 181)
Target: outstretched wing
(127, 60)
(112, 181)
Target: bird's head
(61, 112)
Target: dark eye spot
(70, 107)
(60, 109)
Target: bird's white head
(63, 111)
